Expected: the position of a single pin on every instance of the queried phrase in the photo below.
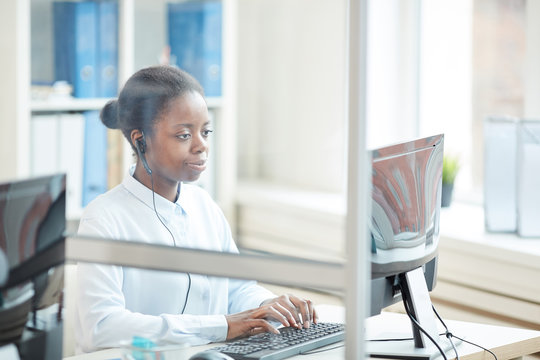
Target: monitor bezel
(383, 270)
(44, 258)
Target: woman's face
(178, 148)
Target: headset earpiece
(141, 145)
(141, 149)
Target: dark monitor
(406, 201)
(32, 225)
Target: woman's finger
(305, 308)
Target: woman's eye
(207, 132)
(184, 136)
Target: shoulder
(102, 215)
(105, 203)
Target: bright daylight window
(434, 66)
(442, 67)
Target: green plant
(451, 167)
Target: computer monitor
(406, 201)
(32, 225)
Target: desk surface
(505, 342)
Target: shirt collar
(164, 207)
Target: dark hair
(145, 96)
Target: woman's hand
(289, 310)
(297, 310)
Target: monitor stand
(417, 346)
(406, 349)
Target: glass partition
(277, 164)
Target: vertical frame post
(357, 270)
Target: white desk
(505, 342)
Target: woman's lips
(197, 165)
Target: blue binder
(194, 29)
(107, 72)
(75, 38)
(95, 157)
(64, 41)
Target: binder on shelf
(108, 49)
(528, 196)
(70, 155)
(57, 146)
(85, 50)
(95, 157)
(44, 133)
(500, 166)
(64, 41)
(194, 30)
(512, 175)
(75, 46)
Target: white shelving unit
(70, 104)
(17, 107)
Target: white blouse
(116, 303)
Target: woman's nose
(200, 144)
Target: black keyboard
(289, 342)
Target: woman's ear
(136, 134)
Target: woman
(162, 113)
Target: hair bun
(109, 114)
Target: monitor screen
(406, 197)
(406, 201)
(32, 225)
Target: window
(434, 67)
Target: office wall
(14, 88)
(291, 92)
(393, 62)
(532, 80)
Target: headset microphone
(141, 149)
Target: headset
(141, 150)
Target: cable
(447, 332)
(172, 236)
(396, 339)
(155, 210)
(449, 335)
(187, 293)
(480, 346)
(419, 327)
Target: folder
(107, 72)
(194, 29)
(95, 157)
(57, 146)
(500, 173)
(528, 189)
(44, 132)
(75, 44)
(64, 41)
(70, 160)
